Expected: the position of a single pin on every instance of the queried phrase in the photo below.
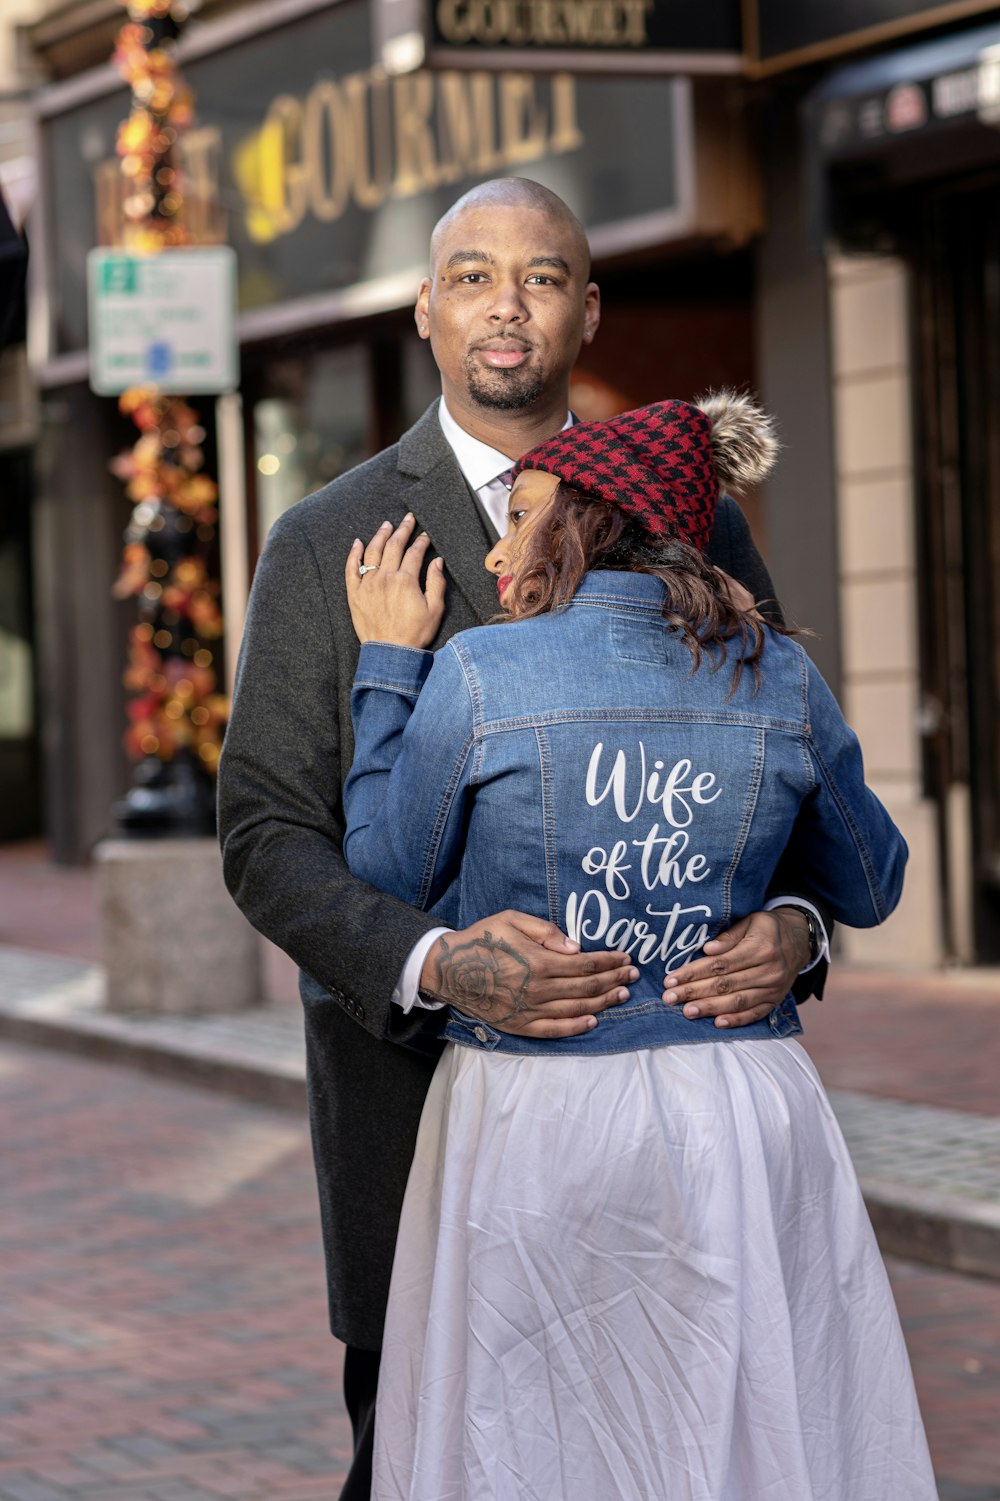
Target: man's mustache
(498, 339)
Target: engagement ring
(364, 568)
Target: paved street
(163, 1330)
(163, 1325)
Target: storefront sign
(325, 174)
(786, 33)
(628, 36)
(164, 319)
(847, 120)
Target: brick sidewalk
(933, 1039)
(929, 1039)
(930, 1173)
(952, 1329)
(53, 909)
(162, 1282)
(46, 907)
(163, 1329)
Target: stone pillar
(174, 940)
(872, 382)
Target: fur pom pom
(744, 443)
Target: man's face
(506, 307)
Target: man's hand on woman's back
(747, 971)
(521, 974)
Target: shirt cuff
(824, 942)
(407, 992)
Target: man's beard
(504, 390)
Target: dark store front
(912, 164)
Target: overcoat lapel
(445, 509)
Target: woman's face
(530, 497)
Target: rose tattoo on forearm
(484, 976)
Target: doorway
(959, 335)
(20, 806)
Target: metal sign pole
(235, 558)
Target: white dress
(643, 1276)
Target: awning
(914, 94)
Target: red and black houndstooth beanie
(665, 465)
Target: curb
(257, 1056)
(250, 1081)
(943, 1232)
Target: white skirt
(641, 1276)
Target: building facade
(819, 225)
(327, 175)
(893, 233)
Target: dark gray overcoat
(288, 750)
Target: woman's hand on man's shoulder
(384, 592)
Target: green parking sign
(166, 319)
(118, 275)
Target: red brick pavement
(952, 1328)
(163, 1333)
(53, 909)
(931, 1039)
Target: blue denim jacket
(576, 767)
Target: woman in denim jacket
(634, 1262)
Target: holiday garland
(161, 108)
(169, 544)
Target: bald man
(507, 304)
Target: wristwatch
(812, 927)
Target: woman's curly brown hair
(577, 533)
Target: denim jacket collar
(610, 587)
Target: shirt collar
(478, 461)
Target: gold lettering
(268, 169)
(516, 29)
(326, 150)
(566, 132)
(577, 21)
(110, 194)
(416, 166)
(365, 136)
(635, 22)
(453, 21)
(467, 125)
(454, 122)
(540, 23)
(522, 121)
(200, 152)
(281, 182)
(371, 133)
(607, 23)
(491, 24)
(583, 23)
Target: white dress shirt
(482, 467)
